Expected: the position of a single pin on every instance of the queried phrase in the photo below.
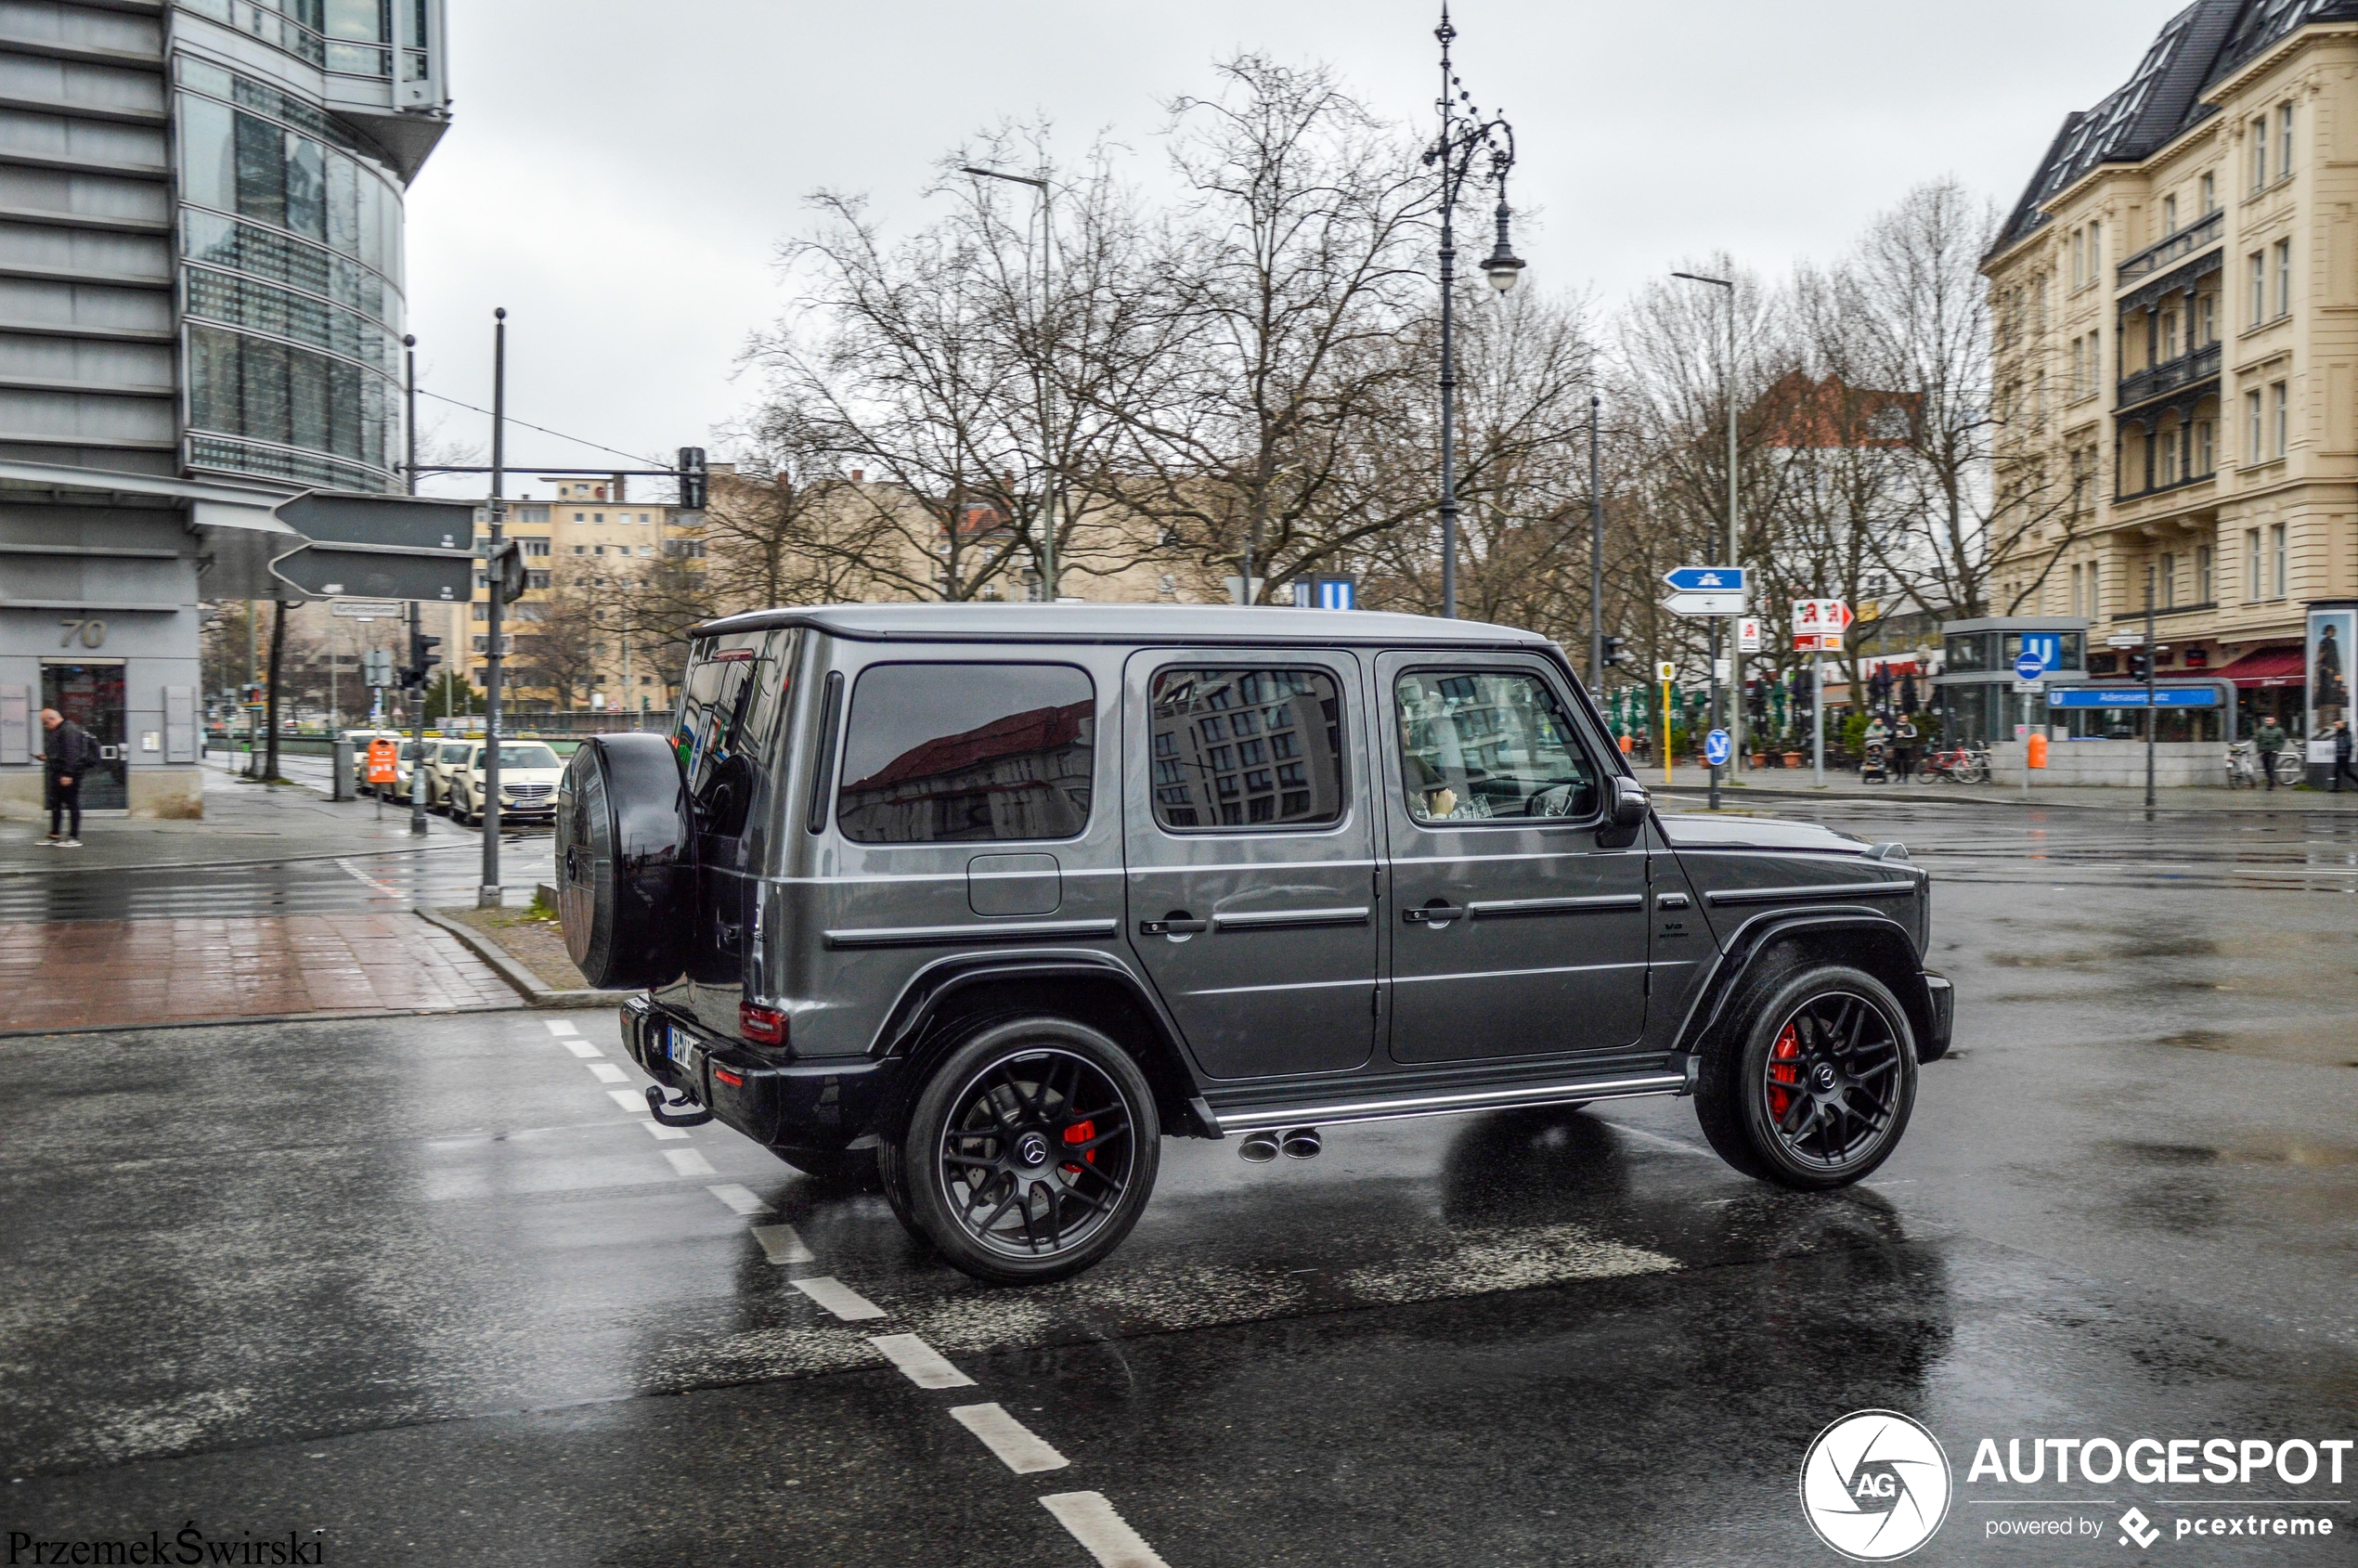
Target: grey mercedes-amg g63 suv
(986, 901)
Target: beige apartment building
(572, 529)
(2175, 309)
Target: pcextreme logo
(1875, 1485)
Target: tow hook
(656, 1103)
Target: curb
(2006, 796)
(536, 991)
(335, 1015)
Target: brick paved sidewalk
(87, 974)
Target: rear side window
(968, 753)
(734, 689)
(1245, 748)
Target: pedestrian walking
(2341, 754)
(2268, 740)
(67, 754)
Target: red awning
(2263, 667)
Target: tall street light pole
(418, 691)
(1047, 410)
(487, 895)
(1596, 557)
(1465, 136)
(1735, 662)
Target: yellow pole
(1665, 728)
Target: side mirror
(1630, 802)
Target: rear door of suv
(1513, 930)
(1249, 845)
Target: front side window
(968, 753)
(1488, 745)
(1245, 748)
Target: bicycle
(1957, 764)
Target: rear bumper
(823, 1104)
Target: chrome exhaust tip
(1301, 1144)
(1259, 1148)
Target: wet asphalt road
(426, 1286)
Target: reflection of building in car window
(1023, 774)
(1483, 745)
(1246, 748)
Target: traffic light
(422, 658)
(692, 478)
(1616, 652)
(506, 571)
(2138, 661)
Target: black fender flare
(1896, 963)
(933, 992)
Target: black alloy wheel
(1830, 1080)
(1029, 1153)
(1815, 1087)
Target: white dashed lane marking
(581, 1048)
(560, 1026)
(689, 1162)
(924, 1366)
(630, 1100)
(832, 1293)
(1104, 1533)
(659, 1131)
(606, 1072)
(786, 1247)
(1008, 1438)
(743, 1199)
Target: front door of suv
(1514, 932)
(1249, 845)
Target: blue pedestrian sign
(1714, 748)
(2030, 666)
(1706, 579)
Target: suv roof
(1120, 623)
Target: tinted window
(1477, 744)
(948, 753)
(733, 690)
(1245, 748)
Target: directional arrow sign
(1706, 579)
(1705, 603)
(379, 547)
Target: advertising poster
(2333, 632)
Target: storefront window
(1970, 651)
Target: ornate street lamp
(1465, 138)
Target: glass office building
(200, 313)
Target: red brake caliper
(1784, 1067)
(1081, 1133)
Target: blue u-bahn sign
(2131, 696)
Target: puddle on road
(2306, 1153)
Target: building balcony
(2185, 243)
(2125, 497)
(2171, 375)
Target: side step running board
(1256, 1117)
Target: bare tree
(1979, 498)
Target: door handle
(1181, 925)
(1434, 914)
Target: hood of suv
(1687, 832)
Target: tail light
(763, 1025)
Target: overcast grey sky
(619, 175)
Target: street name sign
(1705, 603)
(2030, 687)
(366, 609)
(1706, 579)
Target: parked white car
(529, 772)
(443, 759)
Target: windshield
(534, 756)
(409, 751)
(453, 753)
